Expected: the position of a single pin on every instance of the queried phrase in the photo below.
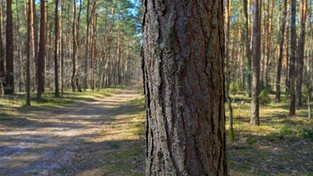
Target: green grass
(279, 146)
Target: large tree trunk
(42, 51)
(293, 47)
(300, 58)
(281, 50)
(256, 65)
(183, 57)
(9, 76)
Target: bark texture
(184, 84)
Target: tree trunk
(227, 73)
(256, 65)
(2, 70)
(56, 40)
(61, 53)
(28, 41)
(74, 45)
(42, 51)
(9, 79)
(248, 51)
(281, 52)
(293, 47)
(300, 58)
(183, 59)
(34, 39)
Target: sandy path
(57, 145)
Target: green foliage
(235, 87)
(251, 140)
(306, 90)
(286, 130)
(307, 133)
(264, 96)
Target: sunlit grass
(279, 146)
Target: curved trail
(62, 144)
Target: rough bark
(281, 52)
(183, 59)
(256, 65)
(293, 47)
(9, 76)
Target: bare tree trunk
(281, 52)
(2, 70)
(42, 51)
(227, 72)
(74, 45)
(184, 85)
(61, 54)
(248, 51)
(256, 65)
(9, 81)
(300, 58)
(34, 40)
(293, 47)
(56, 40)
(28, 41)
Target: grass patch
(279, 146)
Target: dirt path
(73, 143)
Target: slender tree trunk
(227, 75)
(85, 82)
(28, 41)
(2, 70)
(74, 45)
(34, 39)
(61, 53)
(281, 52)
(56, 40)
(42, 51)
(300, 58)
(184, 85)
(256, 65)
(9, 79)
(293, 47)
(248, 51)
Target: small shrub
(251, 140)
(307, 133)
(235, 87)
(264, 96)
(285, 130)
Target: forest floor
(81, 135)
(281, 145)
(102, 133)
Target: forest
(156, 87)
